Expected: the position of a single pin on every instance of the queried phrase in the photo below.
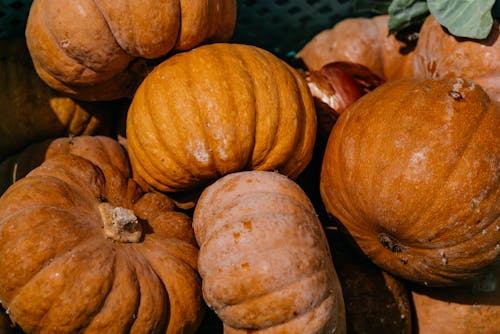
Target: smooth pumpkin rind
(411, 171)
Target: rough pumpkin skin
(60, 274)
(412, 171)
(30, 111)
(93, 49)
(439, 54)
(218, 109)
(264, 259)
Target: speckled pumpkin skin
(412, 171)
(218, 109)
(60, 274)
(264, 258)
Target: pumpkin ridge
(141, 263)
(292, 167)
(224, 206)
(279, 290)
(473, 133)
(242, 56)
(160, 139)
(80, 70)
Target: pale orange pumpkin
(218, 109)
(84, 249)
(439, 54)
(412, 171)
(265, 262)
(364, 41)
(95, 50)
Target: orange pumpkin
(412, 171)
(219, 109)
(264, 258)
(93, 50)
(82, 248)
(31, 111)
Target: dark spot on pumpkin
(247, 224)
(455, 95)
(236, 236)
(101, 198)
(245, 265)
(403, 260)
(390, 243)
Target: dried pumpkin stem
(120, 224)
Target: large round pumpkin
(93, 49)
(30, 111)
(264, 258)
(439, 54)
(83, 249)
(412, 171)
(218, 109)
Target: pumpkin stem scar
(390, 243)
(120, 224)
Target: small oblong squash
(82, 248)
(264, 259)
(93, 50)
(412, 171)
(218, 109)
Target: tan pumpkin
(218, 109)
(364, 41)
(412, 171)
(439, 54)
(473, 308)
(31, 111)
(83, 249)
(264, 259)
(95, 50)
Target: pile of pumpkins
(158, 178)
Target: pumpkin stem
(120, 224)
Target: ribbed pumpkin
(218, 109)
(439, 54)
(31, 111)
(93, 50)
(412, 171)
(83, 249)
(264, 259)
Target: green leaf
(464, 18)
(404, 13)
